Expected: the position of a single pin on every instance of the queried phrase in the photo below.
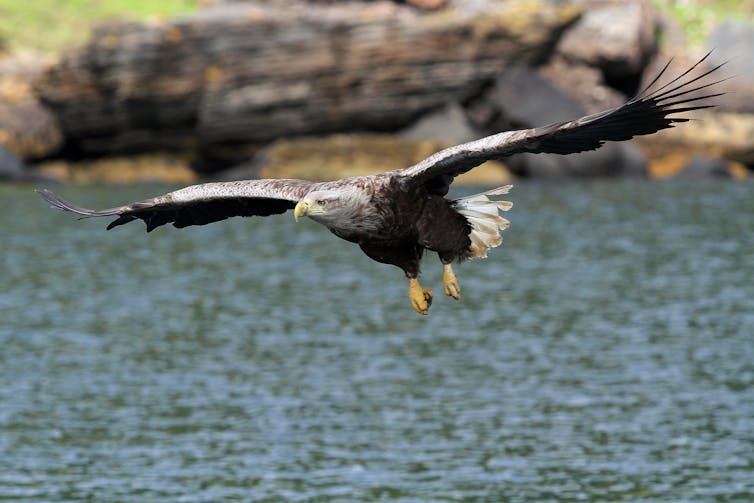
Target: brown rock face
(27, 129)
(251, 73)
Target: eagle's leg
(407, 257)
(421, 298)
(450, 282)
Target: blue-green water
(604, 353)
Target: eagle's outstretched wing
(201, 204)
(646, 113)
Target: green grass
(50, 26)
(699, 17)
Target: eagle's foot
(450, 282)
(421, 298)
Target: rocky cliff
(223, 86)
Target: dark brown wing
(646, 113)
(201, 204)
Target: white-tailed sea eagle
(395, 216)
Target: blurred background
(604, 353)
(179, 90)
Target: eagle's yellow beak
(301, 209)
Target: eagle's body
(395, 216)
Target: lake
(605, 352)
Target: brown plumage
(395, 216)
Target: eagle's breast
(375, 209)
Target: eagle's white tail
(482, 213)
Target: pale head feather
(336, 208)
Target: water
(604, 353)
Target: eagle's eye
(321, 202)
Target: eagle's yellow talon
(421, 298)
(450, 282)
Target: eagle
(397, 215)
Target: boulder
(10, 167)
(13, 170)
(704, 167)
(584, 84)
(448, 125)
(613, 159)
(27, 128)
(521, 98)
(616, 37)
(733, 42)
(250, 73)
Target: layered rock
(251, 80)
(251, 73)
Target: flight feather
(649, 111)
(200, 204)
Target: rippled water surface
(604, 353)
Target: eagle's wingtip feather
(53, 200)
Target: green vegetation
(699, 17)
(52, 25)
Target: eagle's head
(328, 207)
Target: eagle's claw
(450, 282)
(421, 298)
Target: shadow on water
(603, 353)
